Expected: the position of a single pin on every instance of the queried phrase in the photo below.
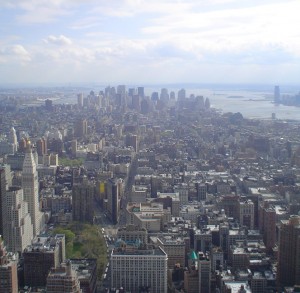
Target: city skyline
(220, 41)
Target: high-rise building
(201, 189)
(289, 251)
(276, 94)
(140, 91)
(13, 139)
(132, 140)
(80, 100)
(246, 213)
(41, 146)
(267, 224)
(204, 270)
(139, 269)
(63, 279)
(2, 196)
(31, 192)
(181, 94)
(113, 199)
(42, 255)
(83, 196)
(81, 126)
(8, 271)
(17, 226)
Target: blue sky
(147, 42)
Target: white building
(17, 226)
(31, 193)
(136, 269)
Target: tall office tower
(13, 138)
(42, 255)
(63, 279)
(113, 199)
(164, 96)
(121, 89)
(204, 270)
(80, 100)
(181, 94)
(83, 196)
(172, 95)
(289, 251)
(41, 146)
(8, 271)
(74, 147)
(201, 189)
(17, 226)
(132, 140)
(131, 92)
(246, 213)
(137, 270)
(141, 91)
(81, 128)
(136, 102)
(267, 224)
(31, 192)
(2, 196)
(154, 96)
(276, 94)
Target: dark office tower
(154, 96)
(8, 271)
(132, 140)
(22, 145)
(43, 254)
(207, 103)
(164, 95)
(49, 105)
(201, 189)
(141, 92)
(131, 92)
(83, 202)
(145, 107)
(181, 94)
(121, 89)
(41, 146)
(80, 100)
(2, 195)
(204, 270)
(80, 128)
(276, 94)
(288, 272)
(113, 201)
(172, 95)
(136, 102)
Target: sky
(150, 41)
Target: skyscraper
(204, 270)
(83, 202)
(8, 271)
(113, 201)
(31, 192)
(2, 195)
(276, 94)
(17, 226)
(289, 252)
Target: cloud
(14, 53)
(60, 40)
